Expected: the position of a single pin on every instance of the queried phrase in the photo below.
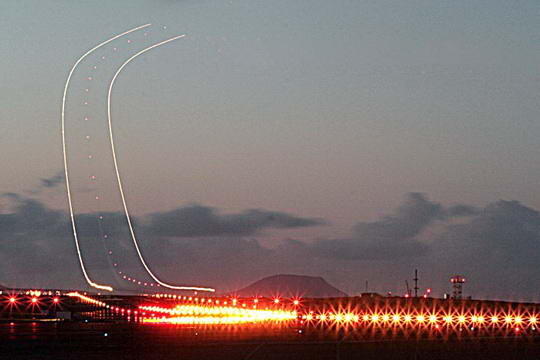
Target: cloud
(37, 247)
(203, 221)
(393, 235)
(496, 247)
(53, 181)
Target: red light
(56, 300)
(34, 300)
(12, 300)
(276, 301)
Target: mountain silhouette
(291, 286)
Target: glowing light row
(206, 320)
(123, 276)
(248, 315)
(13, 300)
(423, 319)
(295, 301)
(87, 300)
(136, 281)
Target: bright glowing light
(119, 180)
(34, 300)
(199, 314)
(64, 152)
(12, 300)
(475, 321)
(88, 300)
(276, 301)
(296, 302)
(56, 300)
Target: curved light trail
(66, 172)
(119, 180)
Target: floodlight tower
(457, 286)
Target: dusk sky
(354, 140)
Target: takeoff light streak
(119, 180)
(198, 314)
(66, 172)
(86, 299)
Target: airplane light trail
(66, 172)
(119, 180)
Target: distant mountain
(291, 286)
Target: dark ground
(124, 341)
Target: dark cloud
(37, 247)
(53, 181)
(203, 221)
(496, 247)
(461, 210)
(393, 235)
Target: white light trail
(119, 180)
(64, 148)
